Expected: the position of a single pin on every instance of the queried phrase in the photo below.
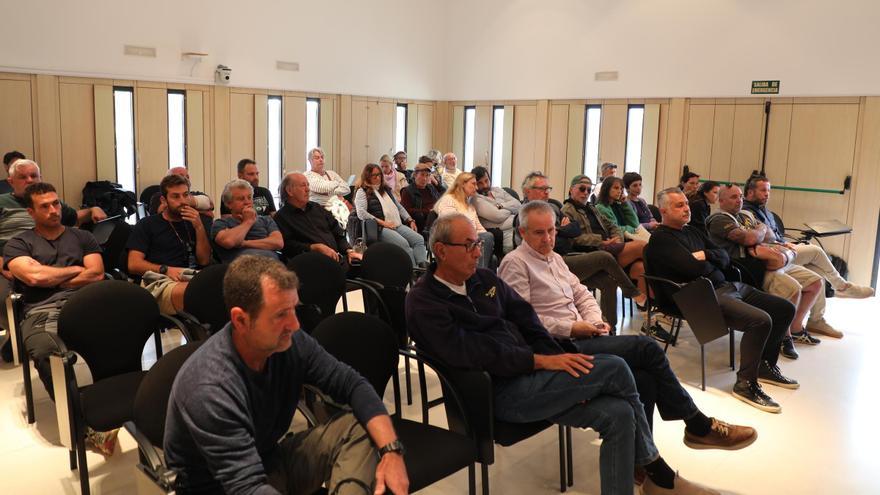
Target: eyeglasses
(376, 174)
(543, 188)
(584, 189)
(468, 246)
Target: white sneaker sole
(770, 409)
(790, 386)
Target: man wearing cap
(423, 191)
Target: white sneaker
(854, 291)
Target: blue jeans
(655, 380)
(605, 400)
(488, 249)
(411, 242)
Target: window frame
(464, 140)
(405, 107)
(630, 108)
(280, 177)
(496, 177)
(182, 93)
(317, 101)
(130, 91)
(595, 173)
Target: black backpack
(110, 197)
(840, 265)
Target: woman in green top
(610, 203)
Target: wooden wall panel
(866, 190)
(701, 123)
(674, 148)
(77, 106)
(776, 162)
(294, 115)
(557, 148)
(650, 138)
(612, 137)
(360, 135)
(542, 119)
(327, 137)
(151, 124)
(48, 152)
(381, 132)
(523, 160)
(424, 138)
(748, 144)
(17, 124)
(574, 158)
(195, 139)
(457, 132)
(241, 137)
(722, 142)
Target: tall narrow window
(592, 124)
(470, 116)
(176, 128)
(123, 130)
(400, 128)
(313, 126)
(274, 138)
(634, 119)
(497, 144)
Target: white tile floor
(822, 443)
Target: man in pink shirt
(569, 311)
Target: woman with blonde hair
(459, 199)
(394, 179)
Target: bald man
(306, 226)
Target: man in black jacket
(469, 318)
(682, 254)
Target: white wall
(371, 48)
(529, 49)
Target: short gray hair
(313, 151)
(435, 156)
(534, 206)
(530, 179)
(441, 230)
(663, 196)
(22, 162)
(226, 197)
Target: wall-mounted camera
(223, 74)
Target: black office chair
(205, 311)
(321, 284)
(147, 426)
(655, 212)
(475, 411)
(107, 323)
(112, 235)
(369, 345)
(512, 192)
(694, 302)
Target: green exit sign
(765, 87)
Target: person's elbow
(223, 240)
(275, 241)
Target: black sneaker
(6, 351)
(786, 348)
(752, 394)
(770, 374)
(804, 337)
(656, 332)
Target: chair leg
(484, 474)
(406, 373)
(423, 392)
(72, 454)
(157, 340)
(562, 459)
(83, 463)
(395, 382)
(703, 367)
(28, 385)
(472, 480)
(732, 349)
(569, 455)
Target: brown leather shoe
(722, 436)
(682, 487)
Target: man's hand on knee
(570, 363)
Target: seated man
(8, 160)
(496, 208)
(172, 244)
(198, 200)
(740, 234)
(306, 226)
(683, 254)
(234, 399)
(50, 261)
(244, 231)
(264, 203)
(569, 312)
(536, 187)
(469, 318)
(419, 196)
(757, 190)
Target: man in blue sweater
(235, 397)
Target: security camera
(223, 74)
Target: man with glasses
(536, 187)
(419, 196)
(469, 318)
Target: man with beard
(264, 203)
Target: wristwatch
(395, 446)
(163, 269)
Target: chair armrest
(152, 464)
(468, 431)
(189, 326)
(663, 280)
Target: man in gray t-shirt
(49, 262)
(244, 232)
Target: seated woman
(632, 181)
(394, 179)
(374, 200)
(598, 233)
(701, 203)
(459, 199)
(610, 203)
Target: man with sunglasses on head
(423, 191)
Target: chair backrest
(203, 297)
(390, 266)
(363, 342)
(148, 193)
(699, 305)
(321, 284)
(655, 212)
(108, 323)
(151, 400)
(112, 235)
(512, 192)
